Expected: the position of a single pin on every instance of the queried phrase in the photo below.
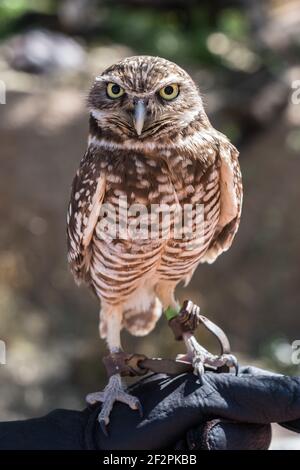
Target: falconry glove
(180, 413)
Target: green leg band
(172, 312)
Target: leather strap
(189, 318)
(124, 364)
(133, 365)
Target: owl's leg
(196, 354)
(165, 291)
(200, 357)
(114, 390)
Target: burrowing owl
(150, 144)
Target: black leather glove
(226, 412)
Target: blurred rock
(80, 16)
(40, 51)
(281, 31)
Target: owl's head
(144, 96)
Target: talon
(231, 361)
(236, 366)
(93, 398)
(199, 369)
(200, 373)
(198, 363)
(103, 426)
(140, 409)
(113, 392)
(201, 358)
(90, 401)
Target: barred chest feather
(154, 179)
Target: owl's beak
(139, 116)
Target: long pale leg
(114, 391)
(165, 292)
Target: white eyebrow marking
(109, 79)
(170, 79)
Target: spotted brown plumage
(145, 150)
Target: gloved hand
(226, 412)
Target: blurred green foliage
(234, 23)
(12, 10)
(179, 34)
(162, 33)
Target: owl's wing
(87, 194)
(231, 197)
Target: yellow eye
(169, 92)
(114, 91)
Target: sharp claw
(140, 409)
(102, 423)
(93, 398)
(236, 367)
(233, 362)
(200, 373)
(199, 370)
(112, 393)
(90, 401)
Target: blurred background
(245, 57)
